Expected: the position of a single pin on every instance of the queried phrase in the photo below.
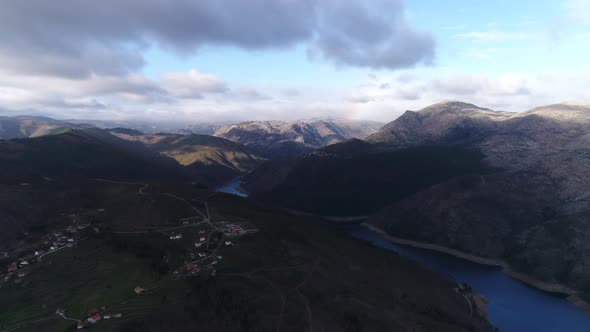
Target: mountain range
(285, 140)
(119, 198)
(506, 186)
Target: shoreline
(328, 218)
(571, 295)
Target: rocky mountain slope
(553, 139)
(533, 214)
(284, 140)
(212, 160)
(527, 202)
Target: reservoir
(513, 307)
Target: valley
(161, 251)
(144, 202)
(294, 166)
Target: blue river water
(513, 307)
(232, 188)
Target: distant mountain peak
(287, 139)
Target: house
(94, 319)
(202, 239)
(138, 290)
(60, 312)
(24, 262)
(12, 267)
(107, 316)
(39, 252)
(202, 254)
(21, 274)
(202, 232)
(192, 266)
(175, 236)
(198, 244)
(228, 243)
(80, 325)
(117, 315)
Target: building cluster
(235, 229)
(93, 317)
(55, 241)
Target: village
(202, 240)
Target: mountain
(40, 175)
(76, 152)
(448, 123)
(553, 140)
(208, 159)
(532, 214)
(116, 255)
(506, 186)
(285, 140)
(28, 126)
(200, 128)
(346, 180)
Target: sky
(190, 61)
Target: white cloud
(192, 84)
(359, 98)
(472, 85)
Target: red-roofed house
(94, 319)
(192, 266)
(12, 267)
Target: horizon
(310, 59)
(183, 123)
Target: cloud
(360, 98)
(192, 84)
(469, 85)
(78, 39)
(291, 92)
(372, 35)
(251, 94)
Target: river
(514, 306)
(232, 188)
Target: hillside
(291, 273)
(208, 159)
(342, 180)
(532, 215)
(285, 140)
(76, 153)
(28, 126)
(509, 186)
